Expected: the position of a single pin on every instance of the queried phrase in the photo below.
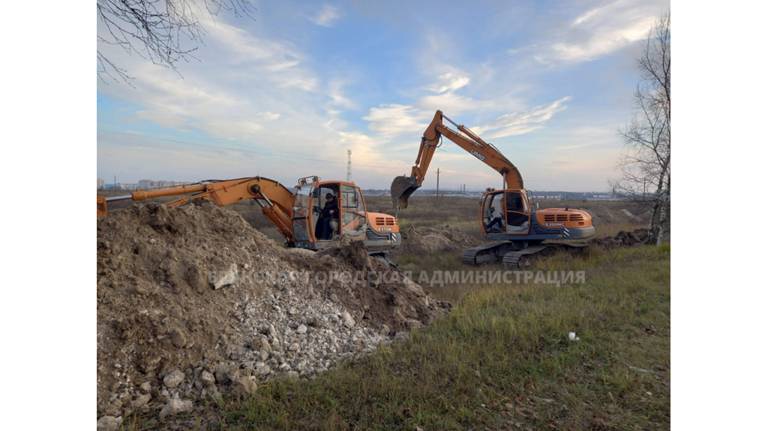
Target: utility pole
(349, 164)
(437, 192)
(644, 188)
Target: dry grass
(502, 359)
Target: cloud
(449, 82)
(393, 120)
(452, 104)
(600, 31)
(276, 60)
(337, 96)
(396, 119)
(248, 88)
(520, 123)
(326, 16)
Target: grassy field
(502, 360)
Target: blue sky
(286, 92)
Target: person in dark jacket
(330, 211)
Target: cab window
(517, 212)
(353, 212)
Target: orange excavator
(516, 231)
(314, 214)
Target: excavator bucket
(402, 188)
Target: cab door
(301, 212)
(353, 221)
(517, 214)
(493, 213)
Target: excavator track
(486, 253)
(511, 257)
(521, 259)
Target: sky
(286, 92)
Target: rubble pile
(193, 302)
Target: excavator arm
(276, 200)
(404, 186)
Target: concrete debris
(173, 379)
(108, 423)
(194, 303)
(175, 406)
(222, 278)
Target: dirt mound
(388, 296)
(193, 301)
(418, 240)
(623, 239)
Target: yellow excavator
(516, 231)
(314, 214)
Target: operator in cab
(494, 223)
(330, 212)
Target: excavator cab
(506, 211)
(337, 211)
(320, 221)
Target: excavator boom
(275, 199)
(404, 186)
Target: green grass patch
(502, 359)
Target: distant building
(99, 183)
(154, 184)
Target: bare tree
(646, 167)
(162, 31)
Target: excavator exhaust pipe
(402, 188)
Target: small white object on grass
(572, 336)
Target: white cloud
(600, 31)
(586, 16)
(338, 98)
(451, 103)
(449, 82)
(520, 123)
(248, 88)
(277, 61)
(604, 41)
(396, 119)
(389, 121)
(326, 16)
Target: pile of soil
(193, 302)
(622, 239)
(419, 240)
